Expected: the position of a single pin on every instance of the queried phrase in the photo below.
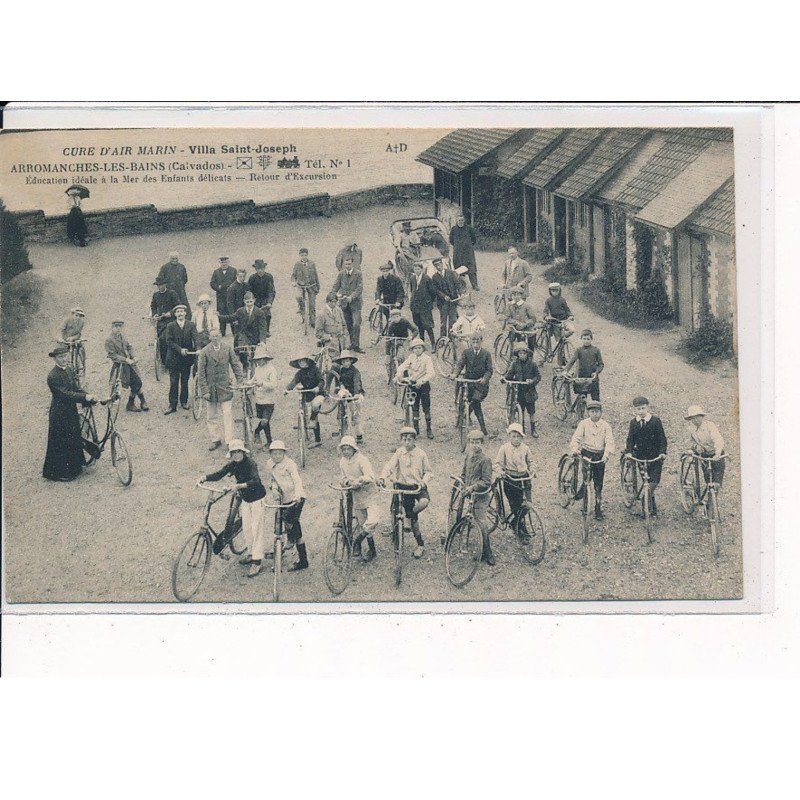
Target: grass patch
(713, 339)
(19, 301)
(629, 308)
(563, 273)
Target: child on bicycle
(476, 476)
(252, 492)
(706, 441)
(347, 378)
(389, 290)
(409, 468)
(521, 317)
(308, 376)
(398, 328)
(304, 276)
(556, 308)
(72, 327)
(523, 368)
(476, 364)
(514, 463)
(357, 473)
(594, 439)
(647, 440)
(285, 481)
(331, 329)
(590, 363)
(265, 378)
(418, 369)
(120, 351)
(467, 323)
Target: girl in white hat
(357, 473)
(265, 377)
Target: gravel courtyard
(96, 541)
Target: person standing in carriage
(462, 237)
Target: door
(599, 235)
(683, 300)
(529, 212)
(560, 226)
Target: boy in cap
(523, 368)
(348, 384)
(223, 277)
(594, 439)
(286, 482)
(409, 469)
(514, 464)
(521, 317)
(476, 475)
(419, 370)
(557, 310)
(590, 363)
(262, 285)
(647, 440)
(310, 378)
(252, 492)
(214, 365)
(251, 325)
(476, 364)
(204, 322)
(174, 273)
(304, 276)
(120, 351)
(72, 331)
(357, 473)
(162, 303)
(706, 441)
(331, 330)
(265, 378)
(389, 290)
(517, 272)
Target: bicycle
(407, 399)
(446, 353)
(339, 548)
(302, 424)
(322, 358)
(158, 366)
(569, 485)
(93, 445)
(699, 490)
(248, 350)
(463, 547)
(501, 297)
(378, 321)
(305, 312)
(562, 350)
(194, 558)
(115, 387)
(278, 547)
(398, 525)
(561, 390)
(462, 409)
(527, 525)
(395, 343)
(514, 412)
(504, 343)
(196, 400)
(636, 487)
(248, 411)
(344, 414)
(77, 357)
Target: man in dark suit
(222, 278)
(236, 292)
(250, 325)
(179, 340)
(423, 297)
(476, 364)
(647, 440)
(174, 273)
(445, 283)
(262, 285)
(163, 302)
(349, 286)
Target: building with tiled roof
(574, 146)
(716, 216)
(524, 159)
(462, 148)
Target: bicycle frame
(249, 350)
(278, 545)
(407, 399)
(643, 491)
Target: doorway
(560, 226)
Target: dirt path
(96, 541)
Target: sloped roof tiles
(718, 214)
(463, 147)
(516, 163)
(575, 143)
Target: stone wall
(39, 228)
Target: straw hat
(348, 441)
(694, 411)
(515, 427)
(236, 444)
(277, 445)
(295, 362)
(204, 298)
(417, 343)
(346, 354)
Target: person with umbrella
(174, 273)
(76, 223)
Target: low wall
(39, 228)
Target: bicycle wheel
(191, 565)
(195, 399)
(713, 520)
(503, 353)
(492, 516)
(463, 550)
(540, 345)
(565, 353)
(394, 389)
(500, 304)
(580, 406)
(445, 357)
(305, 312)
(121, 459)
(648, 519)
(89, 434)
(686, 487)
(398, 540)
(277, 566)
(588, 506)
(237, 543)
(157, 360)
(301, 437)
(247, 429)
(560, 392)
(629, 480)
(530, 535)
(463, 424)
(567, 480)
(113, 380)
(453, 509)
(338, 553)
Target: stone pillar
(713, 275)
(630, 254)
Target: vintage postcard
(480, 365)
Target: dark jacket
(351, 250)
(235, 294)
(250, 328)
(177, 338)
(423, 294)
(474, 366)
(589, 361)
(308, 378)
(263, 289)
(390, 290)
(525, 371)
(351, 287)
(477, 472)
(446, 286)
(244, 471)
(119, 349)
(163, 303)
(346, 377)
(64, 458)
(221, 279)
(646, 441)
(176, 278)
(213, 371)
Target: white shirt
(409, 467)
(287, 479)
(420, 368)
(514, 460)
(594, 436)
(466, 326)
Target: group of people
(195, 339)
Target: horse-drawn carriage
(418, 240)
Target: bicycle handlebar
(219, 490)
(517, 383)
(519, 478)
(280, 505)
(691, 453)
(73, 342)
(468, 380)
(588, 460)
(395, 490)
(645, 460)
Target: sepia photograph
(371, 365)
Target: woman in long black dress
(76, 224)
(64, 459)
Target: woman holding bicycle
(64, 458)
(707, 441)
(286, 480)
(357, 473)
(252, 492)
(594, 439)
